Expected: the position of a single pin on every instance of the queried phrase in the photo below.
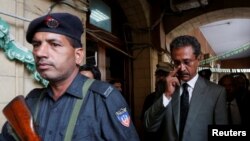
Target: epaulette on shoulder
(102, 88)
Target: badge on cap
(123, 117)
(51, 22)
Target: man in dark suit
(233, 104)
(237, 98)
(162, 70)
(184, 111)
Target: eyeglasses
(186, 62)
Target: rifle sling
(76, 110)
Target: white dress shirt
(235, 113)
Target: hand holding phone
(172, 82)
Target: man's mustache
(182, 73)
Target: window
(100, 15)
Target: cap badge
(123, 117)
(51, 22)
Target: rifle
(19, 117)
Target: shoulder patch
(123, 117)
(102, 88)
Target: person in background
(58, 53)
(190, 103)
(90, 71)
(162, 70)
(242, 81)
(206, 73)
(117, 84)
(234, 112)
(242, 96)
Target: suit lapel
(196, 102)
(176, 108)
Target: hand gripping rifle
(20, 119)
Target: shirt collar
(233, 102)
(192, 82)
(75, 88)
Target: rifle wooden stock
(20, 119)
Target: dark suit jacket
(207, 106)
(243, 102)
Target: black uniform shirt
(103, 116)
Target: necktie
(184, 108)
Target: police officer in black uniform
(72, 107)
